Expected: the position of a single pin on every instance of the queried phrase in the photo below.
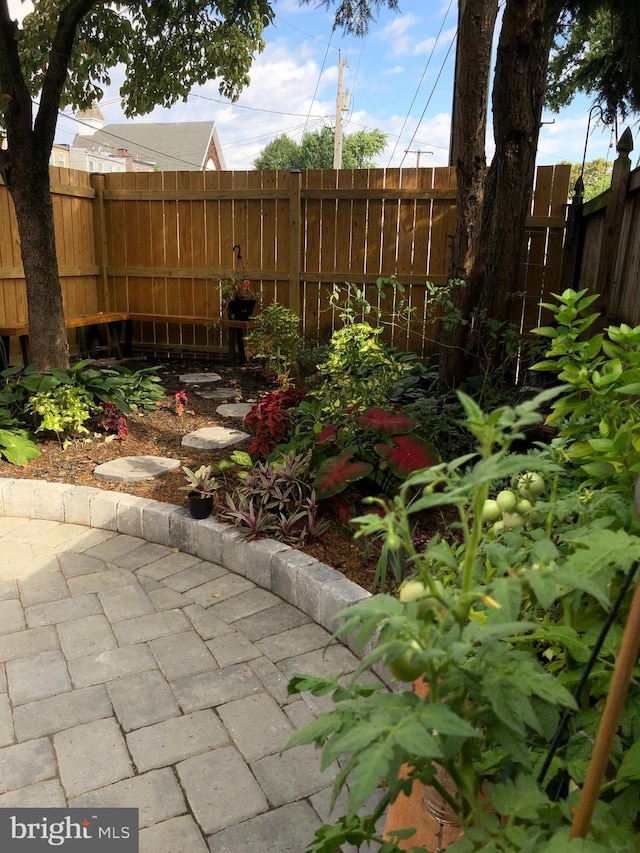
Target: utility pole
(417, 152)
(337, 140)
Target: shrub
(276, 338)
(63, 409)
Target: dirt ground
(159, 433)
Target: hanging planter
(240, 308)
(237, 294)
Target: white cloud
(442, 41)
(399, 33)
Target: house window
(60, 159)
(92, 166)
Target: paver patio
(132, 674)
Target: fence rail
(157, 243)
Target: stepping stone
(129, 469)
(212, 438)
(200, 378)
(234, 410)
(218, 393)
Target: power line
(444, 62)
(435, 44)
(315, 91)
(253, 109)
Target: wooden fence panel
(72, 203)
(626, 307)
(169, 238)
(282, 247)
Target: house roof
(176, 146)
(92, 113)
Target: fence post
(612, 223)
(100, 240)
(570, 253)
(295, 182)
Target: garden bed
(159, 433)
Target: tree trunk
(518, 97)
(28, 183)
(469, 127)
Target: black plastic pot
(199, 506)
(240, 309)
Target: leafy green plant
(63, 400)
(276, 339)
(501, 629)
(360, 369)
(356, 304)
(600, 412)
(15, 444)
(498, 378)
(63, 409)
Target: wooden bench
(236, 329)
(110, 319)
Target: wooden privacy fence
(157, 243)
(603, 242)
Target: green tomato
(414, 590)
(498, 528)
(511, 520)
(506, 500)
(405, 668)
(411, 590)
(490, 511)
(524, 506)
(530, 485)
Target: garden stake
(569, 712)
(627, 656)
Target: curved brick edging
(299, 579)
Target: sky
(399, 79)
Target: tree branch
(12, 81)
(56, 73)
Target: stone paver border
(298, 578)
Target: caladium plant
(407, 454)
(336, 473)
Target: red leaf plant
(335, 474)
(407, 454)
(386, 423)
(114, 421)
(269, 420)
